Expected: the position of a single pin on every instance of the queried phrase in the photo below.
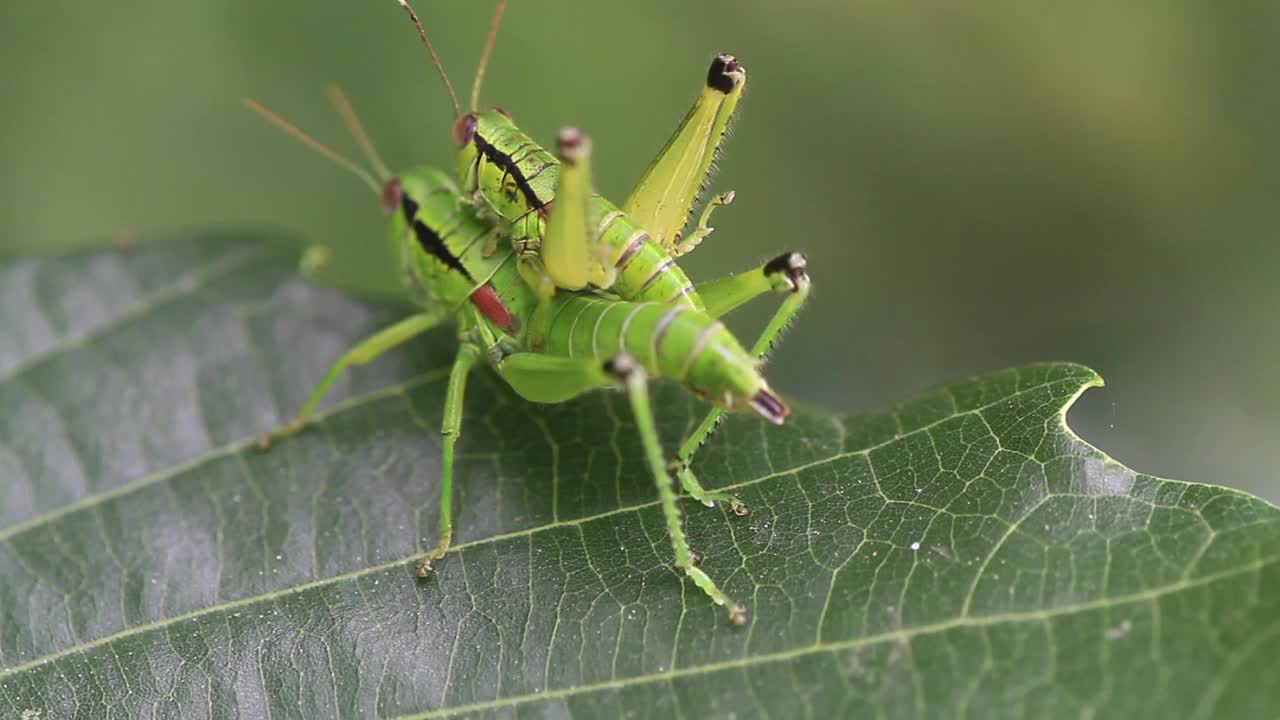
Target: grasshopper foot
(703, 230)
(737, 613)
(689, 483)
(426, 566)
(264, 441)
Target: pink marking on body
(491, 306)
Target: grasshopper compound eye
(392, 192)
(464, 130)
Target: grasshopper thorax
(498, 162)
(445, 248)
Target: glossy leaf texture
(962, 554)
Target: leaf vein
(184, 285)
(902, 635)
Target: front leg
(568, 254)
(570, 251)
(450, 428)
(787, 273)
(363, 352)
(703, 229)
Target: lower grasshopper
(561, 292)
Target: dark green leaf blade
(963, 554)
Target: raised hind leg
(664, 197)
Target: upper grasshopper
(561, 291)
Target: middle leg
(568, 254)
(570, 251)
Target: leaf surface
(960, 555)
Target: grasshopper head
(486, 124)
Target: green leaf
(962, 554)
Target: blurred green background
(977, 184)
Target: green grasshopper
(561, 291)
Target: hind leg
(787, 273)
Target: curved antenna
(311, 142)
(431, 50)
(352, 121)
(488, 50)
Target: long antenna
(488, 50)
(348, 113)
(311, 142)
(431, 50)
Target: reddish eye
(391, 194)
(464, 129)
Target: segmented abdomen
(646, 271)
(674, 341)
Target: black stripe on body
(522, 146)
(509, 167)
(432, 243)
(543, 168)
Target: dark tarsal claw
(793, 266)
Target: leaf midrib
(900, 635)
(358, 401)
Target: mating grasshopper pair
(561, 291)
